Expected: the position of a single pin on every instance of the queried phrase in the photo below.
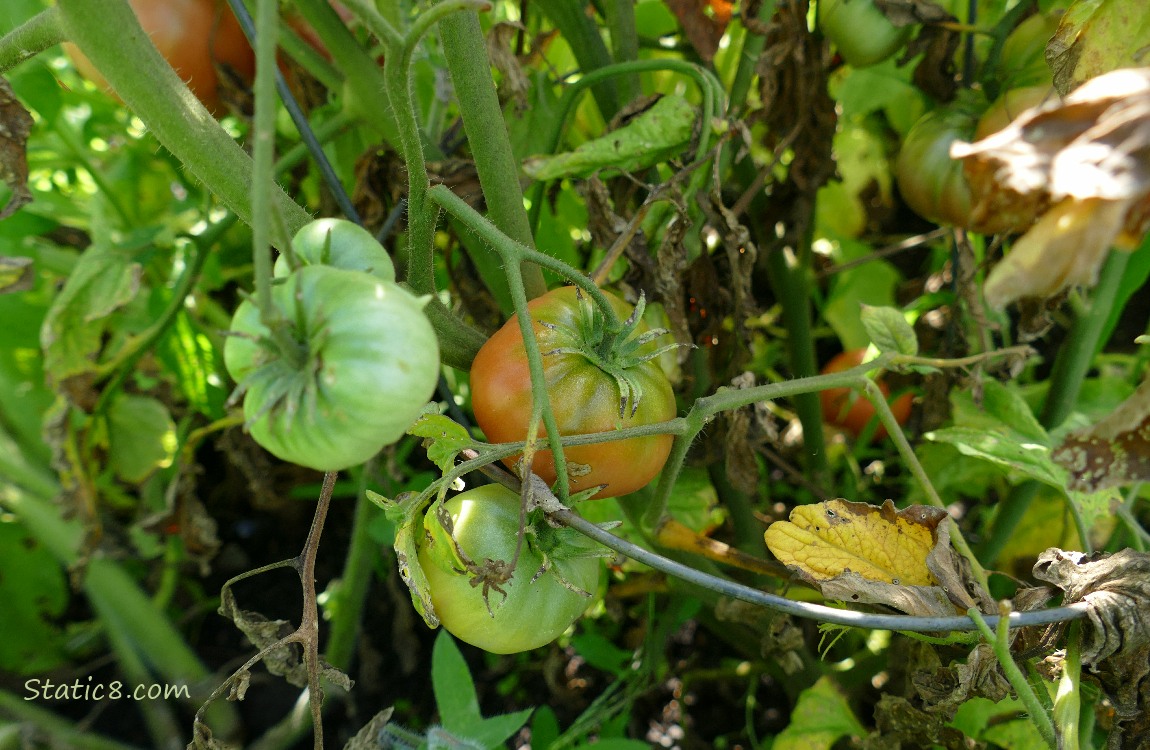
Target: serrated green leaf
(889, 330)
(1004, 449)
(103, 280)
(141, 437)
(1003, 407)
(654, 136)
(445, 438)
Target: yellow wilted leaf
(881, 544)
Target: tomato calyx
(615, 352)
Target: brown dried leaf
(367, 738)
(1113, 452)
(285, 660)
(898, 723)
(1081, 168)
(703, 32)
(15, 125)
(1116, 641)
(945, 689)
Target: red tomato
(194, 36)
(584, 397)
(850, 409)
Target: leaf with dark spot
(1113, 452)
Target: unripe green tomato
(368, 361)
(930, 182)
(1022, 62)
(341, 244)
(860, 31)
(537, 608)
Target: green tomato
(930, 182)
(367, 362)
(537, 607)
(341, 244)
(860, 31)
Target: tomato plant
(365, 363)
(341, 244)
(930, 182)
(195, 37)
(553, 582)
(595, 385)
(860, 31)
(850, 410)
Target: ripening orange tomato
(195, 37)
(851, 410)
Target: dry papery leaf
(1078, 170)
(1113, 452)
(867, 554)
(1116, 639)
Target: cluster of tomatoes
(347, 359)
(931, 183)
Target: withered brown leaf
(1074, 175)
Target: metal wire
(300, 120)
(805, 609)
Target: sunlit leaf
(141, 437)
(445, 438)
(889, 330)
(1096, 37)
(836, 536)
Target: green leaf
(821, 716)
(1002, 406)
(656, 135)
(34, 590)
(453, 687)
(458, 705)
(407, 553)
(889, 330)
(445, 438)
(188, 353)
(1005, 449)
(104, 280)
(141, 437)
(873, 283)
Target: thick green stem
(582, 35)
(111, 38)
(790, 282)
(466, 54)
(1070, 368)
(1068, 699)
(30, 38)
(363, 79)
(753, 45)
(624, 44)
(263, 158)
